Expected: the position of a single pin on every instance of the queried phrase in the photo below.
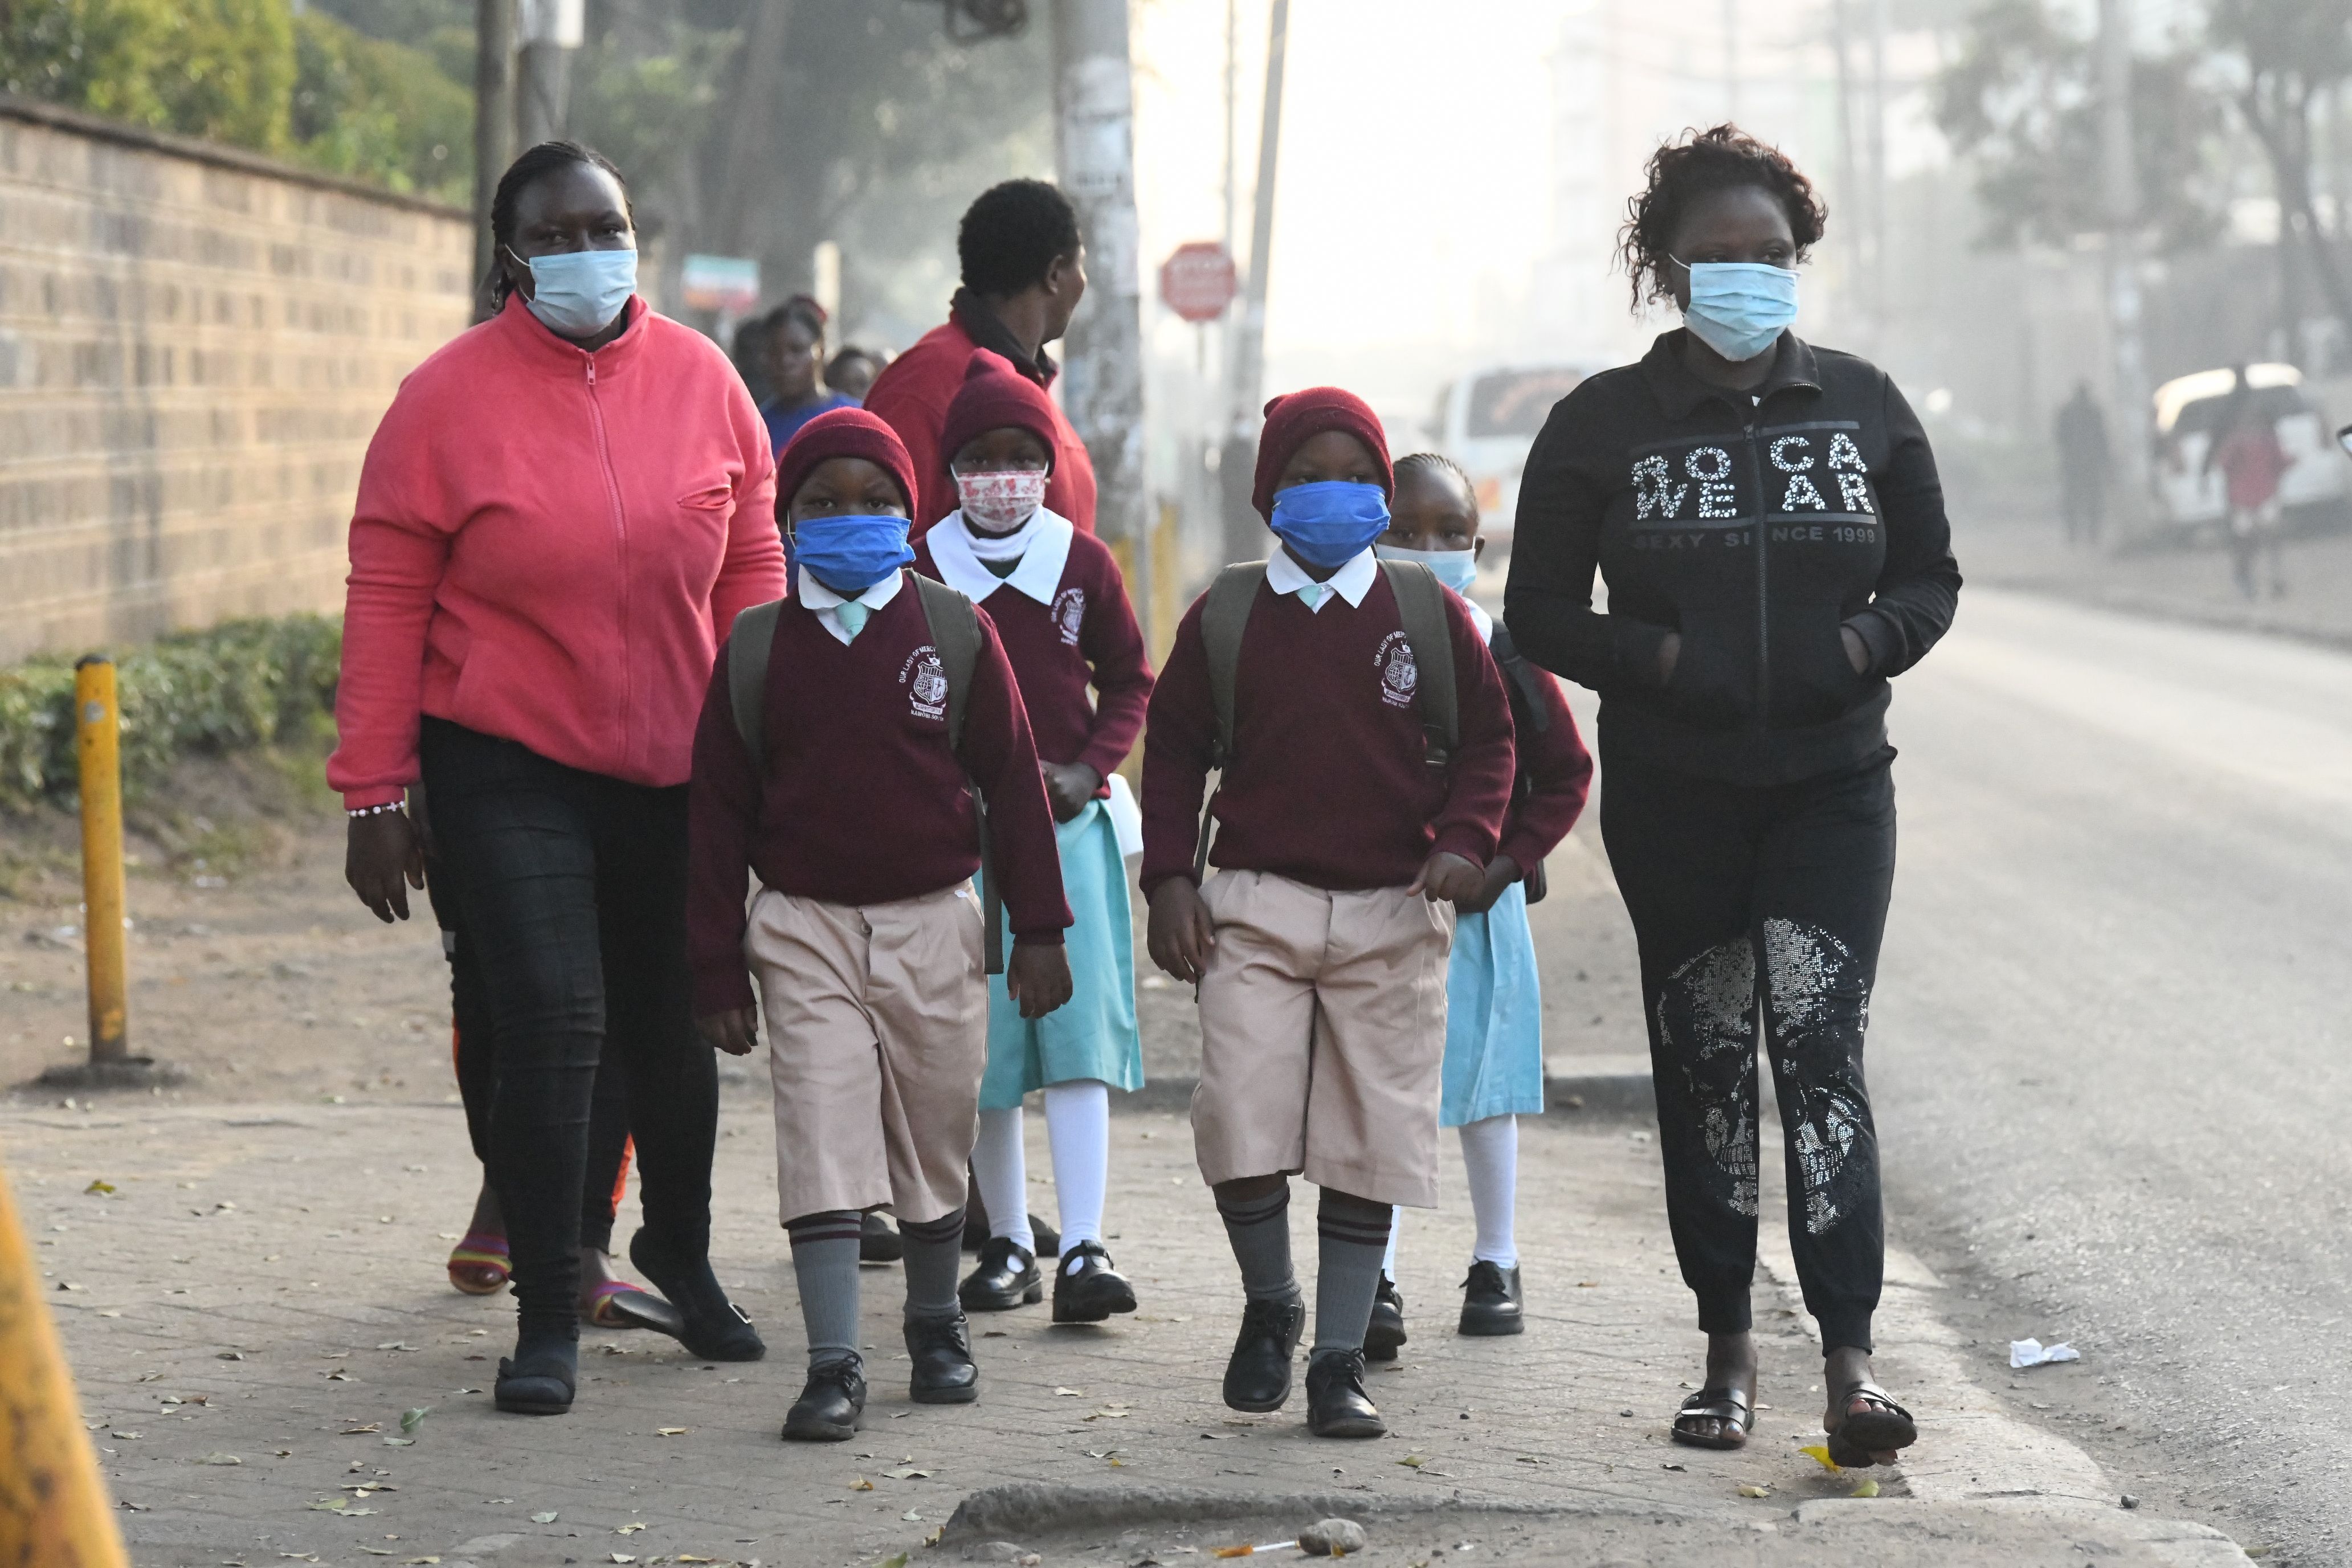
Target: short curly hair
(1012, 234)
(1720, 158)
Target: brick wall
(195, 345)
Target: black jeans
(1715, 875)
(572, 891)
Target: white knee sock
(1490, 1154)
(1002, 1168)
(1077, 1125)
(1396, 1228)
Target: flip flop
(1864, 1434)
(1725, 1405)
(617, 1304)
(480, 1265)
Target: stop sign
(1197, 281)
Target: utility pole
(494, 125)
(1854, 230)
(1731, 60)
(1244, 534)
(550, 33)
(1102, 386)
(2120, 187)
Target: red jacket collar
(539, 347)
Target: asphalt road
(2109, 1053)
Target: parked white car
(2315, 491)
(1487, 421)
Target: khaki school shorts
(1322, 1036)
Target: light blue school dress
(1094, 1035)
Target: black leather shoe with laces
(1007, 1278)
(1490, 1300)
(830, 1405)
(940, 1351)
(1336, 1405)
(1257, 1377)
(1092, 1289)
(1385, 1335)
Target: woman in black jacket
(1768, 519)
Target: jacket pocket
(1709, 688)
(1816, 681)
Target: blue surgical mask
(850, 554)
(578, 293)
(1329, 523)
(1457, 569)
(1739, 308)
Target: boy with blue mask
(1346, 823)
(838, 779)
(1494, 1016)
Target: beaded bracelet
(372, 810)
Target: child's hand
(1181, 932)
(1037, 976)
(1448, 877)
(735, 1032)
(1500, 874)
(1069, 787)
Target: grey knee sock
(934, 1252)
(1259, 1229)
(1352, 1237)
(824, 1262)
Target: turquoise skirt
(1494, 1017)
(1094, 1035)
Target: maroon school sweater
(1087, 636)
(859, 800)
(1559, 775)
(1329, 785)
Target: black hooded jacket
(1754, 523)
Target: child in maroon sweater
(1319, 948)
(1057, 598)
(865, 931)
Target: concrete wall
(195, 345)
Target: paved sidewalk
(260, 1298)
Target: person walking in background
(1057, 598)
(852, 371)
(2246, 449)
(795, 366)
(2085, 463)
(1769, 522)
(1493, 1071)
(536, 653)
(1024, 270)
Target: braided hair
(521, 174)
(1438, 463)
(1722, 158)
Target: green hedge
(239, 685)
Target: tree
(2287, 52)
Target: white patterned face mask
(1002, 500)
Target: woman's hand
(1180, 932)
(1450, 878)
(1501, 872)
(381, 851)
(1069, 787)
(1670, 651)
(734, 1032)
(1857, 652)
(1037, 976)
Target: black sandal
(1727, 1406)
(1861, 1435)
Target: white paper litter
(2033, 1352)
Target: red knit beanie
(993, 396)
(1297, 417)
(843, 433)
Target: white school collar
(1351, 581)
(1039, 575)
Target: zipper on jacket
(1763, 601)
(621, 532)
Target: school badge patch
(1399, 673)
(925, 680)
(1070, 615)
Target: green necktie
(1313, 594)
(853, 614)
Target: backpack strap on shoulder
(1225, 616)
(954, 623)
(1531, 711)
(747, 647)
(1421, 605)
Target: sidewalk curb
(1593, 1087)
(1019, 1509)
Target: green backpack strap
(1421, 605)
(1225, 616)
(747, 647)
(954, 623)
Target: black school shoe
(1336, 1405)
(1385, 1335)
(976, 1228)
(1007, 1278)
(538, 1379)
(939, 1349)
(1257, 1377)
(1093, 1291)
(1490, 1302)
(876, 1242)
(712, 1328)
(830, 1403)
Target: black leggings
(572, 891)
(1714, 875)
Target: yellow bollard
(96, 736)
(54, 1509)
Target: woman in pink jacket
(559, 518)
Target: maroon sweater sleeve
(722, 808)
(1470, 822)
(1112, 643)
(1181, 725)
(1559, 773)
(1002, 759)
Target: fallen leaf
(911, 1514)
(938, 1532)
(338, 1375)
(907, 1473)
(1414, 1460)
(391, 1442)
(1753, 1491)
(101, 1188)
(622, 1557)
(861, 1485)
(1671, 1467)
(1866, 1487)
(897, 1562)
(220, 1459)
(230, 1355)
(363, 1431)
(409, 1420)
(670, 1431)
(126, 1436)
(547, 1518)
(1071, 1393)
(395, 1345)
(631, 1528)
(1820, 1453)
(417, 1561)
